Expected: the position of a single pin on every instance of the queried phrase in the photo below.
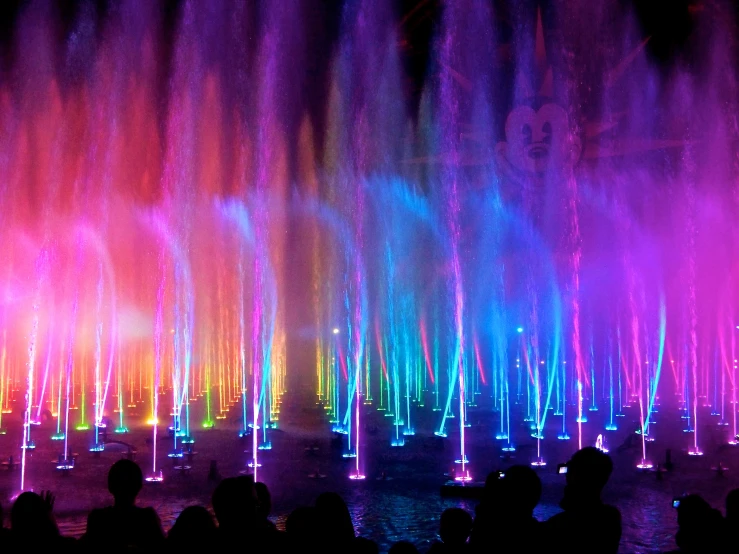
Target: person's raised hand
(48, 498)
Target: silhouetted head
(360, 545)
(125, 481)
(301, 527)
(334, 517)
(699, 525)
(732, 505)
(403, 547)
(492, 487)
(588, 471)
(520, 490)
(264, 500)
(455, 526)
(234, 502)
(31, 520)
(194, 527)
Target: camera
(676, 503)
(501, 474)
(562, 468)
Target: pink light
(155, 478)
(479, 361)
(425, 345)
(466, 478)
(357, 385)
(645, 464)
(579, 415)
(357, 477)
(380, 349)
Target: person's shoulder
(148, 515)
(99, 514)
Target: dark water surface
(405, 505)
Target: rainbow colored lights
(178, 245)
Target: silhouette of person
(455, 526)
(124, 526)
(193, 531)
(269, 535)
(505, 517)
(264, 506)
(403, 547)
(334, 522)
(586, 524)
(4, 537)
(235, 505)
(700, 528)
(486, 512)
(301, 527)
(732, 509)
(361, 545)
(32, 522)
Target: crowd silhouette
(503, 520)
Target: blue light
(519, 329)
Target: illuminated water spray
(155, 477)
(28, 444)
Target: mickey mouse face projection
(538, 139)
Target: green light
(209, 424)
(121, 430)
(83, 427)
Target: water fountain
(519, 243)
